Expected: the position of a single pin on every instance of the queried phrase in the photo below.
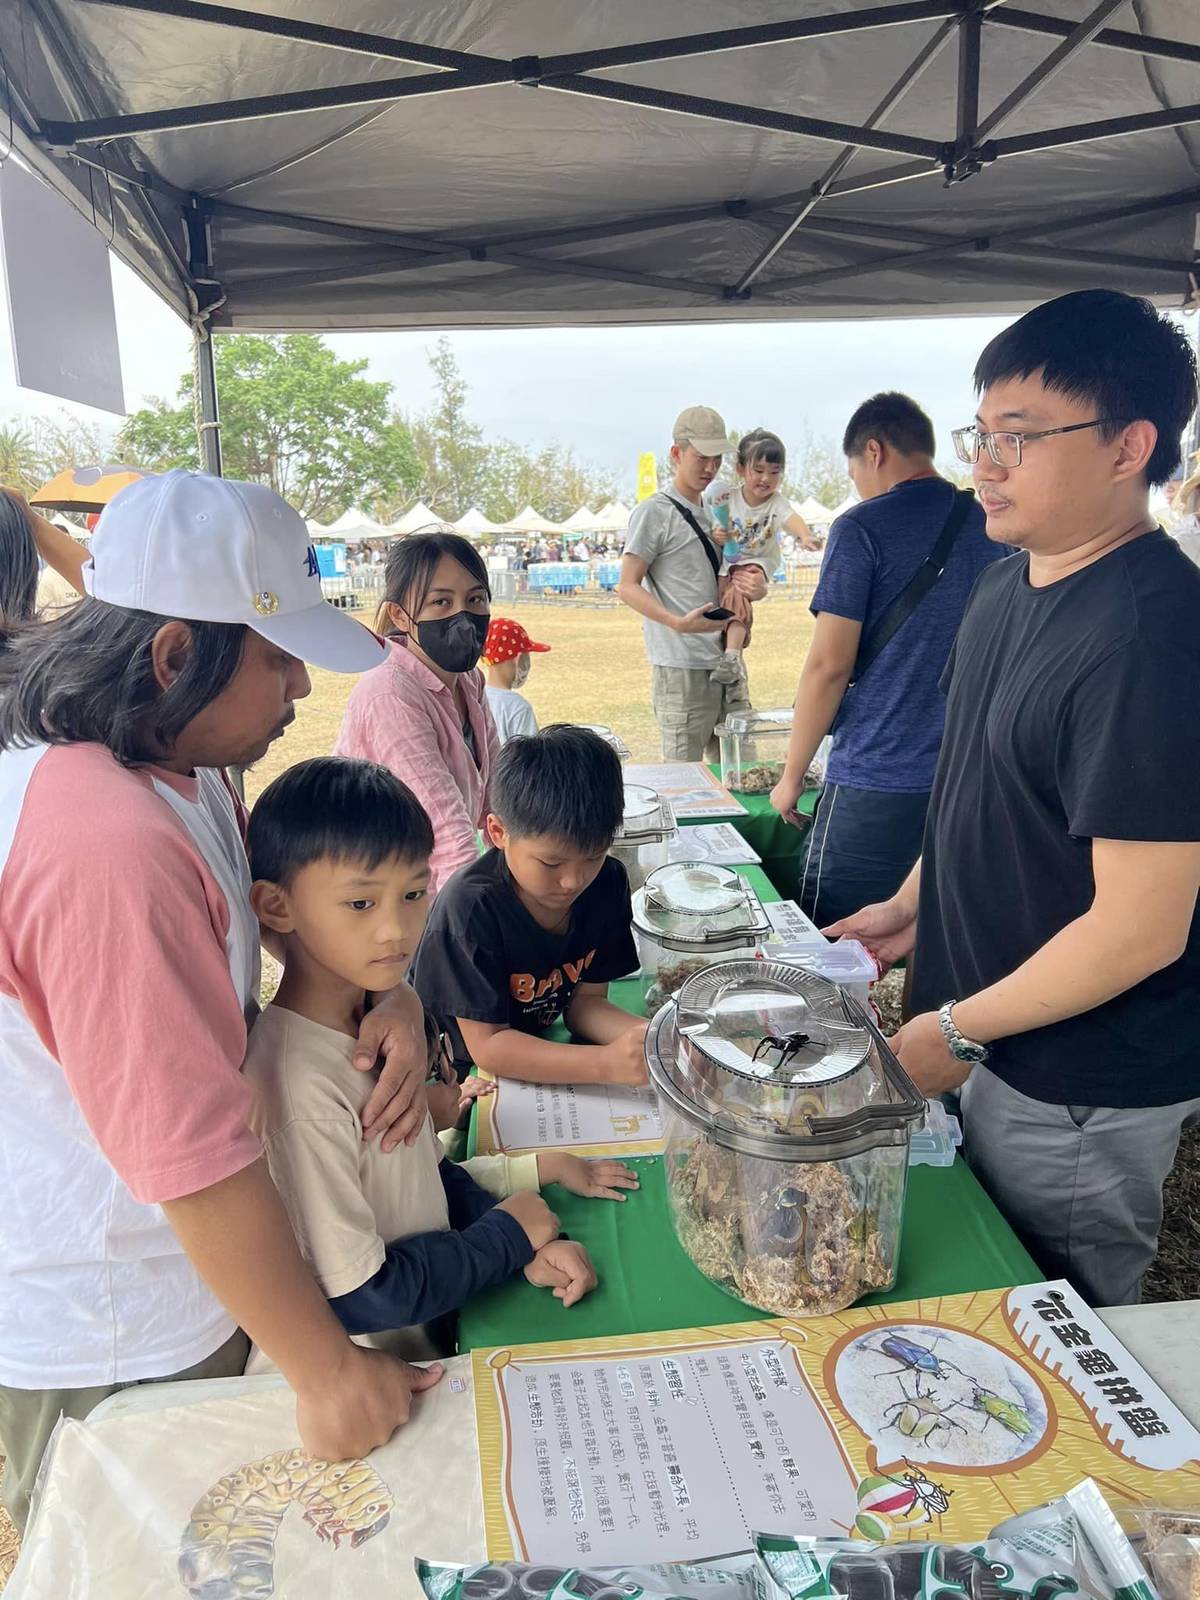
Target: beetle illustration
(934, 1499)
(911, 1357)
(997, 1409)
(919, 1416)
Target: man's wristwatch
(961, 1048)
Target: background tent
(520, 161)
(531, 521)
(612, 518)
(473, 523)
(415, 518)
(814, 513)
(581, 521)
(352, 527)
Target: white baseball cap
(207, 549)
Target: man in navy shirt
(887, 728)
(1053, 912)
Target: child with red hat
(506, 656)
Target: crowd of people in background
(1011, 804)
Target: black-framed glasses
(1005, 448)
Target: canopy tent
(581, 521)
(848, 504)
(814, 512)
(612, 518)
(415, 518)
(531, 521)
(659, 165)
(473, 522)
(352, 527)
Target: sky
(609, 394)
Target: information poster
(932, 1419)
(690, 787)
(591, 1119)
(716, 842)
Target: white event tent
(415, 518)
(473, 522)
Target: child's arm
(797, 525)
(593, 1180)
(431, 1273)
(58, 550)
(507, 1053)
(593, 1016)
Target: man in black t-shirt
(536, 929)
(1053, 912)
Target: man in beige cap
(669, 573)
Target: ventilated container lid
(648, 817)
(752, 722)
(608, 736)
(774, 1061)
(693, 905)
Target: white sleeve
(647, 529)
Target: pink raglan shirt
(128, 960)
(404, 717)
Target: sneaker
(728, 670)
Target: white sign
(645, 1456)
(589, 1118)
(690, 787)
(790, 924)
(60, 299)
(717, 842)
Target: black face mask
(454, 643)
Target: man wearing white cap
(669, 573)
(140, 1230)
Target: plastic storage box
(643, 842)
(754, 747)
(609, 737)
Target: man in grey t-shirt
(670, 579)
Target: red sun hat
(506, 640)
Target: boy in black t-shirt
(537, 928)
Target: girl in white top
(751, 511)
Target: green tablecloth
(954, 1241)
(779, 844)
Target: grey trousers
(688, 705)
(1080, 1185)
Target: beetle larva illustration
(228, 1548)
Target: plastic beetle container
(754, 747)
(788, 1122)
(643, 842)
(609, 737)
(689, 915)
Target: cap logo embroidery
(266, 603)
(311, 564)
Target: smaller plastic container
(935, 1141)
(609, 737)
(689, 915)
(643, 842)
(847, 963)
(754, 747)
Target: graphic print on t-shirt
(542, 1000)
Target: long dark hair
(88, 676)
(18, 567)
(411, 564)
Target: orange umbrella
(85, 488)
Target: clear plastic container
(643, 842)
(787, 1121)
(754, 747)
(609, 737)
(688, 915)
(937, 1138)
(847, 963)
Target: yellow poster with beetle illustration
(935, 1419)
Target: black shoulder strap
(714, 559)
(922, 581)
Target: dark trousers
(861, 847)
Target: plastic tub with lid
(643, 842)
(688, 915)
(754, 747)
(788, 1122)
(609, 737)
(845, 962)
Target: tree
(449, 446)
(293, 416)
(815, 468)
(550, 479)
(20, 463)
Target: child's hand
(534, 1215)
(473, 1089)
(594, 1180)
(566, 1268)
(625, 1057)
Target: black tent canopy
(514, 162)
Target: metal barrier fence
(550, 583)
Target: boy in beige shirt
(339, 851)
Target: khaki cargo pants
(688, 705)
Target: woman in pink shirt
(423, 713)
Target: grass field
(595, 671)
